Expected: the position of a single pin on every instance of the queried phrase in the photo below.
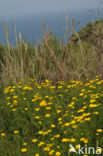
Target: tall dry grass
(80, 57)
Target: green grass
(46, 118)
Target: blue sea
(31, 26)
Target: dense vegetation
(79, 57)
(44, 119)
(51, 95)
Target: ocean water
(31, 26)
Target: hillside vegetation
(51, 95)
(79, 58)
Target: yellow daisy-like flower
(37, 117)
(72, 140)
(40, 132)
(51, 152)
(65, 140)
(85, 141)
(57, 154)
(34, 140)
(37, 109)
(24, 143)
(24, 150)
(41, 143)
(2, 134)
(67, 124)
(47, 149)
(99, 130)
(81, 94)
(58, 111)
(14, 109)
(96, 113)
(37, 154)
(93, 105)
(57, 136)
(99, 150)
(53, 126)
(43, 103)
(47, 115)
(16, 132)
(77, 146)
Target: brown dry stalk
(54, 57)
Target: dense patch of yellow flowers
(59, 114)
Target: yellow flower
(2, 134)
(57, 136)
(24, 143)
(67, 124)
(57, 154)
(26, 108)
(34, 140)
(99, 150)
(73, 122)
(47, 115)
(37, 154)
(99, 130)
(40, 132)
(11, 90)
(65, 140)
(59, 119)
(37, 109)
(82, 139)
(48, 108)
(85, 141)
(8, 103)
(46, 149)
(53, 126)
(47, 96)
(81, 94)
(87, 119)
(37, 117)
(15, 97)
(8, 98)
(49, 130)
(85, 96)
(96, 113)
(74, 126)
(15, 101)
(51, 152)
(99, 82)
(59, 86)
(45, 133)
(52, 139)
(72, 140)
(92, 101)
(16, 132)
(43, 103)
(58, 111)
(14, 109)
(77, 146)
(41, 143)
(58, 147)
(24, 150)
(93, 105)
(81, 110)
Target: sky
(17, 8)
